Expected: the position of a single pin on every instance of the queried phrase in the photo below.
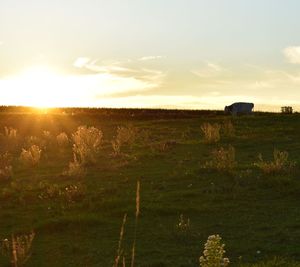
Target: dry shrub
(87, 141)
(62, 139)
(228, 128)
(211, 132)
(223, 159)
(125, 135)
(213, 254)
(32, 156)
(5, 166)
(68, 194)
(75, 169)
(10, 132)
(280, 163)
(32, 140)
(163, 146)
(18, 248)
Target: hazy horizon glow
(191, 54)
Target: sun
(41, 86)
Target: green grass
(251, 211)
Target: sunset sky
(192, 54)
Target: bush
(5, 166)
(32, 156)
(87, 141)
(223, 159)
(211, 132)
(62, 139)
(125, 135)
(280, 163)
(10, 132)
(75, 169)
(213, 254)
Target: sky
(190, 54)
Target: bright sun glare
(41, 85)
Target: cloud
(150, 58)
(210, 70)
(81, 62)
(292, 54)
(116, 78)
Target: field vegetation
(155, 188)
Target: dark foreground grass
(257, 215)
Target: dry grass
(87, 141)
(125, 135)
(137, 213)
(62, 139)
(223, 159)
(10, 132)
(75, 169)
(211, 132)
(32, 156)
(228, 129)
(120, 251)
(5, 166)
(280, 163)
(18, 248)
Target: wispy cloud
(210, 69)
(145, 58)
(115, 77)
(292, 54)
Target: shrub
(280, 163)
(228, 128)
(75, 169)
(32, 156)
(213, 254)
(10, 132)
(47, 136)
(211, 132)
(223, 159)
(183, 225)
(32, 140)
(125, 135)
(87, 141)
(5, 166)
(62, 139)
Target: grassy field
(77, 220)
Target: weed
(213, 254)
(75, 169)
(125, 135)
(5, 166)
(62, 139)
(10, 132)
(120, 250)
(211, 132)
(280, 163)
(222, 159)
(137, 213)
(18, 248)
(32, 156)
(183, 224)
(87, 141)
